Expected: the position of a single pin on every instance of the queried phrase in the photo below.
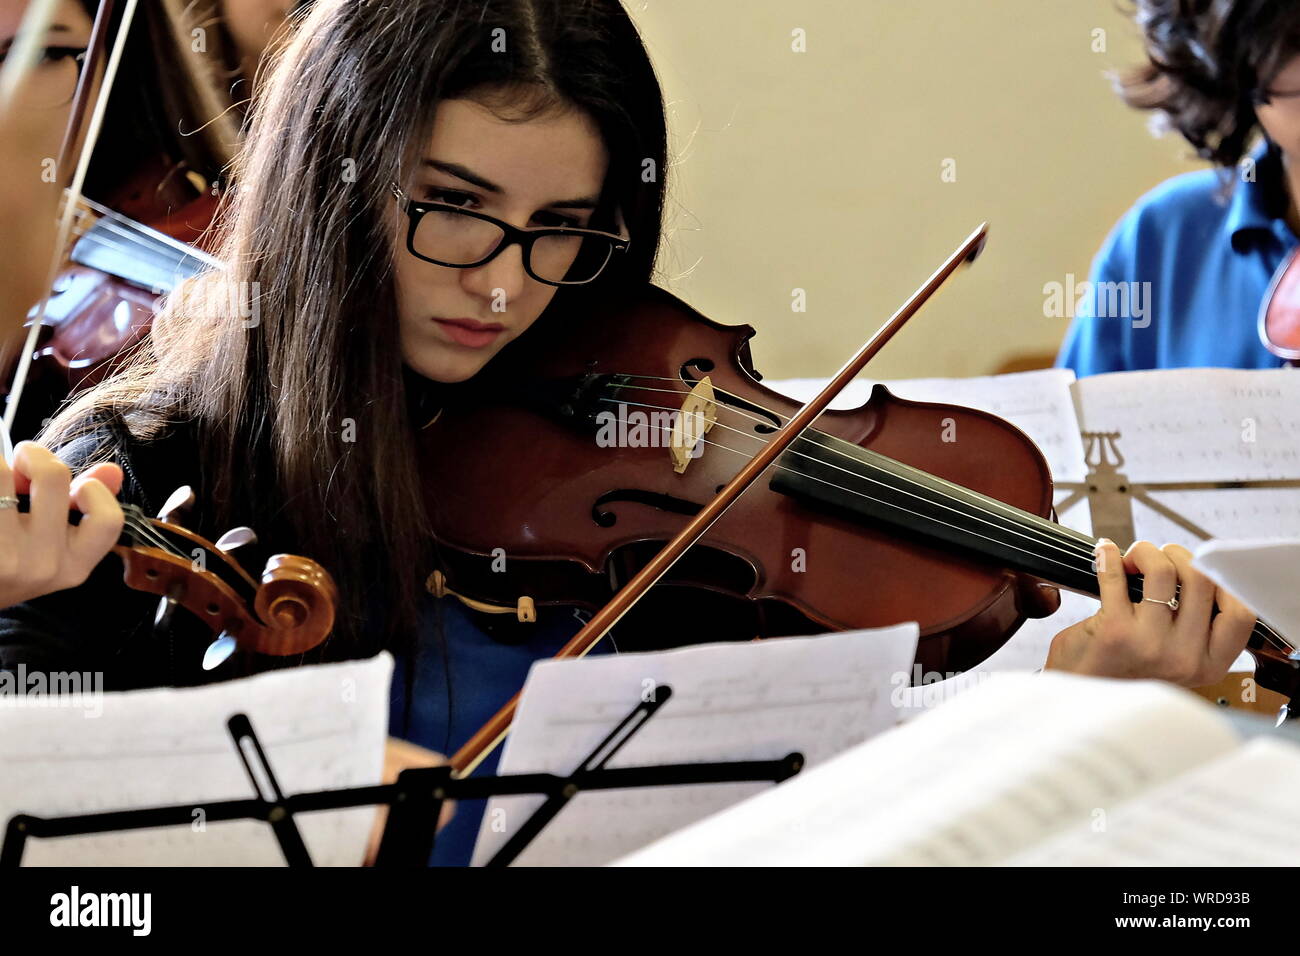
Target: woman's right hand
(402, 755)
(40, 551)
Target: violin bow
(490, 735)
(98, 42)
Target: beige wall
(822, 170)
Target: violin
(591, 441)
(288, 611)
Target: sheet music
(1263, 574)
(1219, 512)
(322, 727)
(990, 773)
(1238, 810)
(739, 701)
(1198, 424)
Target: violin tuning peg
(1288, 711)
(236, 538)
(162, 618)
(218, 651)
(182, 499)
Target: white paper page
(758, 700)
(1198, 424)
(990, 773)
(1236, 811)
(1264, 575)
(1218, 513)
(321, 727)
(1038, 403)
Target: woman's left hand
(1192, 645)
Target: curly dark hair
(1206, 59)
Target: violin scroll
(290, 611)
(296, 603)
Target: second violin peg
(218, 651)
(180, 501)
(162, 618)
(236, 538)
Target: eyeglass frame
(524, 238)
(79, 60)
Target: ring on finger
(1172, 603)
(8, 501)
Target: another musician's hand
(1191, 645)
(40, 551)
(402, 755)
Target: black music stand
(415, 800)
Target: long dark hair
(298, 417)
(172, 99)
(1204, 60)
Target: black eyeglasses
(448, 235)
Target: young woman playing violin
(387, 240)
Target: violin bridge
(699, 414)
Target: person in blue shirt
(422, 184)
(1180, 280)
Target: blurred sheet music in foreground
(322, 727)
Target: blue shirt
(1180, 280)
(460, 681)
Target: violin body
(530, 501)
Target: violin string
(145, 236)
(144, 530)
(128, 242)
(1050, 527)
(131, 244)
(1267, 631)
(1051, 531)
(864, 495)
(1134, 587)
(1068, 550)
(136, 239)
